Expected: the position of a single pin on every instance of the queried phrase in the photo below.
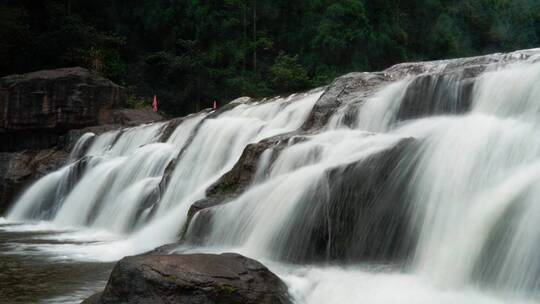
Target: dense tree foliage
(191, 52)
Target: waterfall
(377, 113)
(120, 189)
(80, 145)
(426, 183)
(262, 219)
(476, 187)
(472, 186)
(103, 156)
(216, 147)
(219, 143)
(40, 193)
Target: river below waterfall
(415, 185)
(29, 273)
(40, 264)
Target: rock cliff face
(36, 108)
(193, 278)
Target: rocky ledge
(191, 279)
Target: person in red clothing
(155, 104)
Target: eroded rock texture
(191, 279)
(36, 108)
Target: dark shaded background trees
(192, 52)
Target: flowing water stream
(448, 209)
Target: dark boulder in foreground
(191, 278)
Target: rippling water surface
(29, 273)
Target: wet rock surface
(192, 278)
(133, 117)
(347, 89)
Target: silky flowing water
(471, 194)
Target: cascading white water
(473, 189)
(32, 199)
(125, 168)
(220, 141)
(459, 167)
(258, 220)
(79, 146)
(106, 155)
(182, 134)
(216, 147)
(477, 174)
(377, 113)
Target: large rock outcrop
(38, 107)
(191, 279)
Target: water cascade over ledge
(418, 184)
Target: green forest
(192, 52)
